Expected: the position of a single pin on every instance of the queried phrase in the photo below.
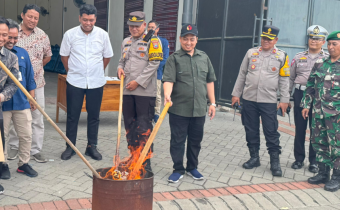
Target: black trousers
(300, 130)
(75, 98)
(138, 113)
(251, 113)
(182, 128)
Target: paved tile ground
(223, 152)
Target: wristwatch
(213, 104)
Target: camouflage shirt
(7, 86)
(323, 85)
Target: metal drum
(122, 194)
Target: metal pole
(187, 12)
(254, 32)
(261, 22)
(267, 18)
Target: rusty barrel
(122, 194)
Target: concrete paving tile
(202, 203)
(330, 196)
(321, 200)
(217, 203)
(76, 194)
(168, 205)
(277, 199)
(304, 197)
(42, 197)
(248, 201)
(189, 186)
(163, 188)
(233, 203)
(292, 199)
(264, 202)
(237, 182)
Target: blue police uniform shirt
(19, 100)
(165, 47)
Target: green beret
(335, 35)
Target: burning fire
(126, 166)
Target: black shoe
(313, 167)
(322, 176)
(254, 160)
(5, 174)
(275, 164)
(67, 154)
(297, 165)
(28, 170)
(1, 189)
(91, 151)
(334, 184)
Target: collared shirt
(301, 66)
(259, 77)
(324, 87)
(135, 62)
(7, 85)
(190, 75)
(85, 64)
(38, 46)
(19, 100)
(165, 47)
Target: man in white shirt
(85, 52)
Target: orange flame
(126, 166)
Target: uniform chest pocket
(303, 65)
(142, 52)
(97, 47)
(335, 81)
(254, 64)
(274, 66)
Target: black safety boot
(254, 160)
(275, 164)
(92, 151)
(334, 184)
(5, 174)
(322, 176)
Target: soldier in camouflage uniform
(324, 87)
(7, 86)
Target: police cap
(317, 31)
(270, 32)
(136, 18)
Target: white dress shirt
(85, 64)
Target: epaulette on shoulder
(302, 53)
(281, 50)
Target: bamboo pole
(30, 98)
(2, 155)
(150, 140)
(117, 159)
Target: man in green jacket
(188, 79)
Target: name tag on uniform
(19, 76)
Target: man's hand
(120, 72)
(235, 99)
(167, 99)
(33, 107)
(132, 85)
(305, 113)
(283, 107)
(289, 105)
(212, 111)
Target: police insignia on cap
(134, 18)
(189, 28)
(316, 30)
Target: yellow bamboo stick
(117, 159)
(30, 98)
(150, 140)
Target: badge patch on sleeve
(142, 55)
(253, 66)
(254, 60)
(274, 69)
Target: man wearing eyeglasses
(301, 67)
(263, 72)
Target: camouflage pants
(325, 139)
